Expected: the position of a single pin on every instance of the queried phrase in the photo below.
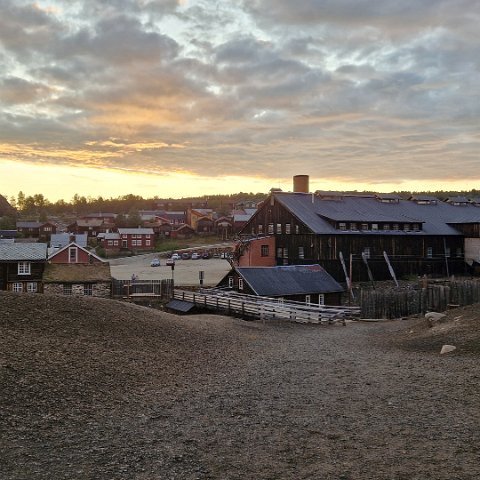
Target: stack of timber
(264, 308)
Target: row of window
(30, 287)
(276, 228)
(406, 227)
(87, 289)
(137, 235)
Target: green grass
(168, 245)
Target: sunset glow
(182, 98)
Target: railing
(248, 306)
(142, 288)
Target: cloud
(352, 90)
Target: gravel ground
(99, 389)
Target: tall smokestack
(300, 184)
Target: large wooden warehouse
(421, 235)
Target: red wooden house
(39, 230)
(74, 253)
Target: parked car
(175, 256)
(196, 256)
(185, 256)
(216, 255)
(206, 256)
(155, 262)
(170, 262)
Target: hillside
(93, 388)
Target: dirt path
(103, 390)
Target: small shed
(311, 284)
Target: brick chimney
(300, 184)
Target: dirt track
(97, 389)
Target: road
(186, 272)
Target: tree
(21, 200)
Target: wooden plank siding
(410, 253)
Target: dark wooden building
(302, 283)
(421, 235)
(22, 266)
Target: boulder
(447, 349)
(434, 317)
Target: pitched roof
(289, 280)
(74, 244)
(62, 239)
(77, 272)
(315, 212)
(135, 231)
(26, 252)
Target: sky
(177, 98)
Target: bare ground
(99, 389)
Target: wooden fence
(249, 306)
(402, 303)
(161, 289)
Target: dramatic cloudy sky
(183, 97)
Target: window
(429, 252)
(148, 242)
(386, 226)
(279, 228)
(285, 252)
(32, 287)
(260, 229)
(395, 226)
(110, 242)
(447, 252)
(342, 226)
(416, 227)
(264, 250)
(240, 283)
(279, 252)
(270, 228)
(115, 242)
(17, 287)
(364, 226)
(366, 252)
(297, 229)
(353, 226)
(307, 299)
(287, 228)
(301, 252)
(458, 252)
(24, 268)
(67, 289)
(230, 282)
(374, 226)
(88, 289)
(406, 227)
(72, 255)
(321, 299)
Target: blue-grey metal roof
(26, 252)
(135, 231)
(289, 280)
(180, 305)
(434, 218)
(62, 239)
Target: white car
(176, 256)
(196, 256)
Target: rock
(434, 317)
(447, 349)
